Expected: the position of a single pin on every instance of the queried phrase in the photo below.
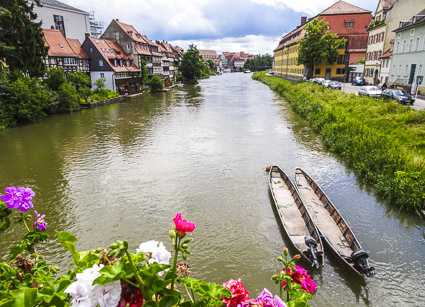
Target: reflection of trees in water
(193, 96)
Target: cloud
(211, 22)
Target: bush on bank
(384, 142)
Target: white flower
(109, 295)
(157, 251)
(86, 295)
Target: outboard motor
(359, 258)
(312, 244)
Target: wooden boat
(296, 220)
(336, 234)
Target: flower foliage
(116, 277)
(239, 293)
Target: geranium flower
(301, 277)
(18, 198)
(158, 252)
(239, 293)
(183, 226)
(86, 295)
(39, 223)
(265, 300)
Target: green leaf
(150, 304)
(65, 236)
(168, 301)
(112, 273)
(15, 250)
(24, 297)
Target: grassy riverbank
(383, 141)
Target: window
(398, 45)
(411, 45)
(382, 36)
(102, 75)
(420, 70)
(59, 25)
(317, 71)
(349, 24)
(69, 61)
(393, 71)
(128, 46)
(340, 71)
(406, 70)
(417, 44)
(117, 35)
(342, 59)
(404, 47)
(100, 62)
(121, 63)
(115, 62)
(412, 31)
(399, 70)
(91, 49)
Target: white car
(370, 91)
(326, 83)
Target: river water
(123, 171)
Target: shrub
(54, 78)
(156, 84)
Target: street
(348, 88)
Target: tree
(79, 79)
(261, 62)
(100, 83)
(144, 72)
(156, 84)
(211, 64)
(22, 43)
(54, 78)
(191, 65)
(317, 45)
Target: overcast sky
(253, 26)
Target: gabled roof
(76, 47)
(60, 5)
(342, 7)
(212, 53)
(131, 31)
(386, 54)
(112, 51)
(58, 45)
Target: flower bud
(296, 257)
(172, 233)
(285, 251)
(184, 246)
(280, 258)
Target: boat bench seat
(299, 242)
(296, 229)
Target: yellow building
(336, 69)
(286, 55)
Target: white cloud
(310, 7)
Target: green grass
(384, 142)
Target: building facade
(408, 62)
(109, 61)
(345, 20)
(72, 22)
(388, 15)
(65, 52)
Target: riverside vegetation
(384, 142)
(117, 277)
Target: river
(123, 171)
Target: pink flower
(265, 300)
(301, 277)
(239, 293)
(183, 226)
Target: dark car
(358, 81)
(401, 95)
(335, 85)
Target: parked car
(326, 83)
(335, 85)
(319, 80)
(401, 95)
(358, 81)
(370, 91)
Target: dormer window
(121, 63)
(349, 23)
(60, 45)
(115, 62)
(96, 41)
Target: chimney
(87, 35)
(117, 19)
(303, 20)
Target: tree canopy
(261, 62)
(21, 39)
(191, 66)
(318, 45)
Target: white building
(72, 22)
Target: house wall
(76, 24)
(125, 41)
(408, 58)
(108, 75)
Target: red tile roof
(112, 51)
(208, 52)
(131, 31)
(342, 7)
(58, 45)
(386, 54)
(76, 47)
